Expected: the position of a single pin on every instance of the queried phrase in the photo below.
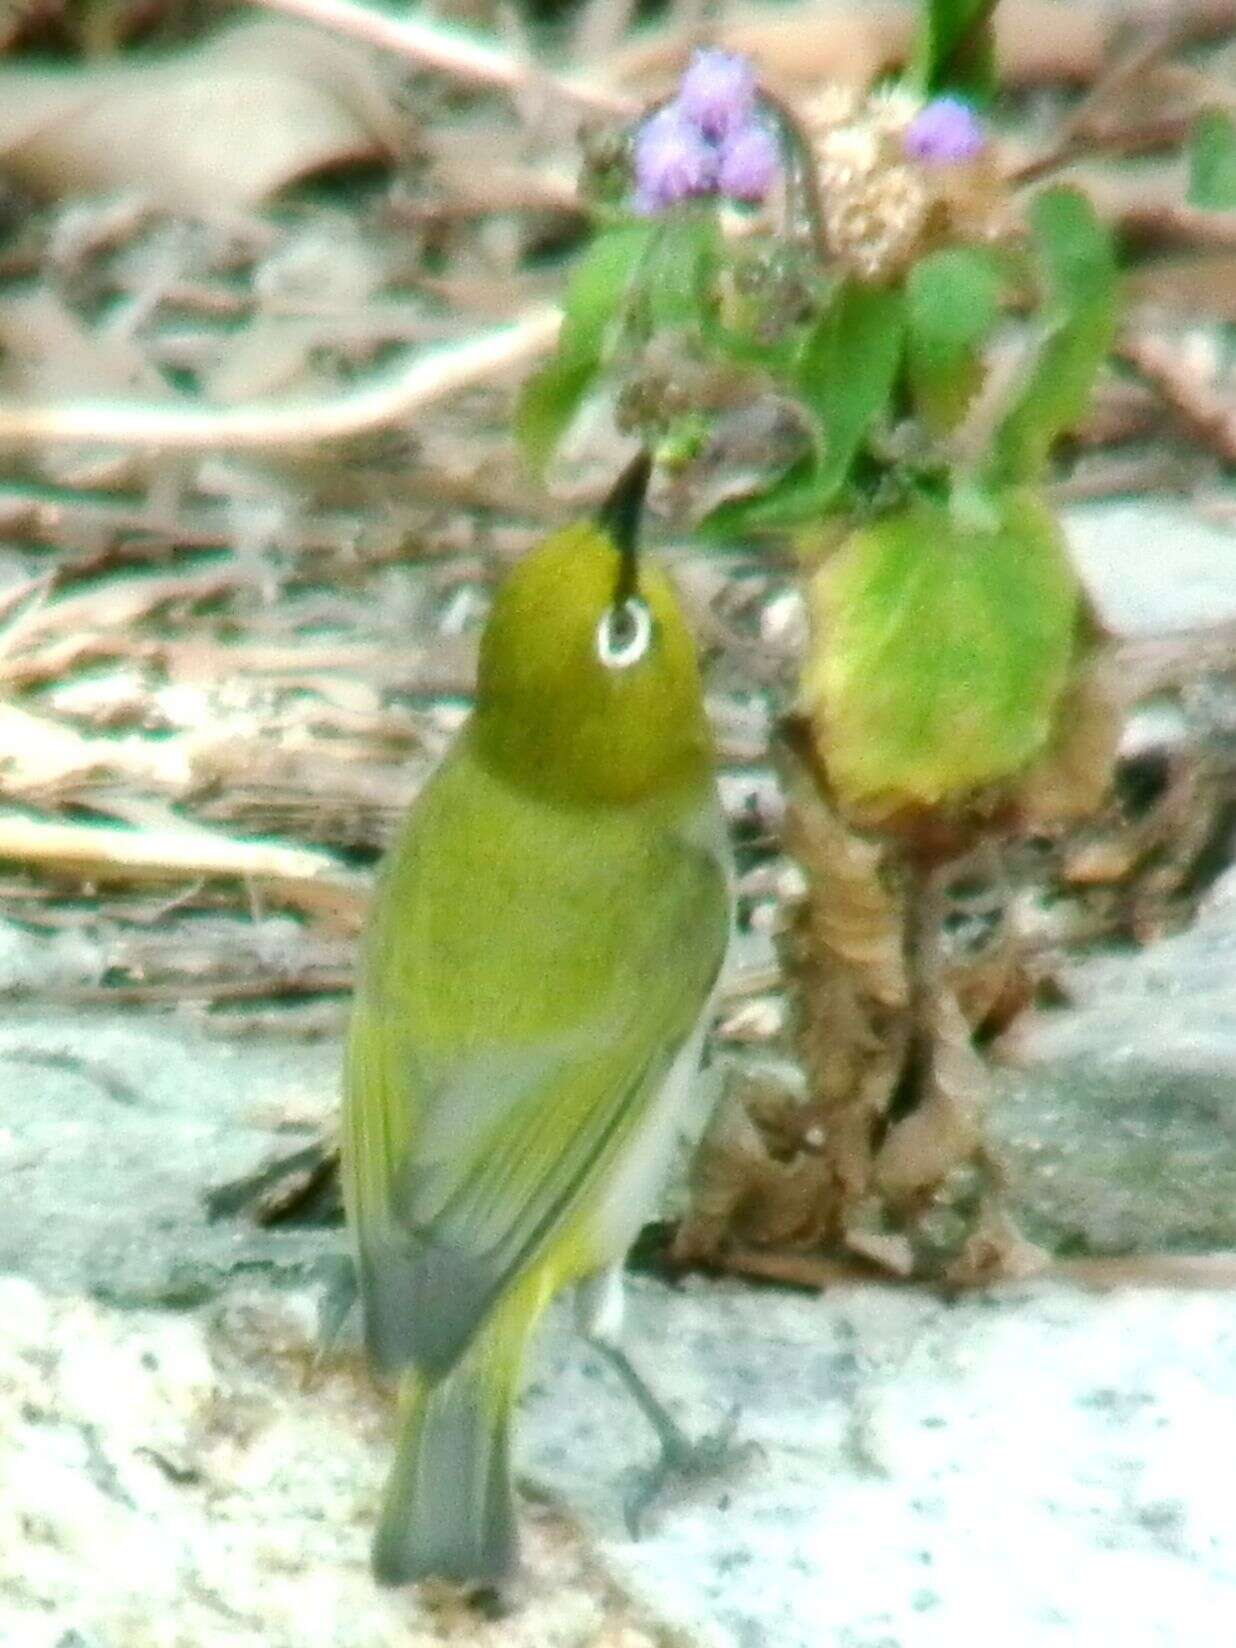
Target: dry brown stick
(112, 605)
(171, 992)
(374, 402)
(1200, 285)
(1147, 664)
(1119, 476)
(133, 531)
(308, 981)
(1206, 414)
(1150, 205)
(450, 51)
(312, 1021)
(298, 876)
(1176, 222)
(102, 1075)
(1075, 132)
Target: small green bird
(533, 992)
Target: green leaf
(547, 403)
(1212, 161)
(955, 49)
(943, 647)
(952, 304)
(681, 268)
(1078, 276)
(598, 286)
(596, 294)
(844, 380)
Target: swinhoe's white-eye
(534, 985)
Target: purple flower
(750, 160)
(944, 132)
(717, 94)
(672, 161)
(709, 140)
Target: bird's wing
(485, 1102)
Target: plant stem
(806, 177)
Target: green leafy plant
(932, 338)
(876, 330)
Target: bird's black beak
(620, 516)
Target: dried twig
(1076, 132)
(1124, 476)
(113, 605)
(1207, 415)
(1201, 285)
(392, 396)
(174, 992)
(1149, 205)
(96, 1071)
(297, 876)
(449, 51)
(1143, 665)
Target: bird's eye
(624, 634)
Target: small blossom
(750, 159)
(944, 132)
(672, 162)
(717, 94)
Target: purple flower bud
(717, 94)
(672, 162)
(944, 132)
(750, 160)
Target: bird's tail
(449, 1511)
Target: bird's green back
(529, 975)
(545, 936)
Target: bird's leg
(599, 1309)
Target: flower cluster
(709, 141)
(892, 169)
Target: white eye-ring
(624, 634)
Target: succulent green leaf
(942, 648)
(1078, 277)
(952, 304)
(844, 380)
(595, 297)
(1212, 162)
(955, 48)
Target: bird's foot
(684, 1464)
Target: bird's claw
(683, 1462)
